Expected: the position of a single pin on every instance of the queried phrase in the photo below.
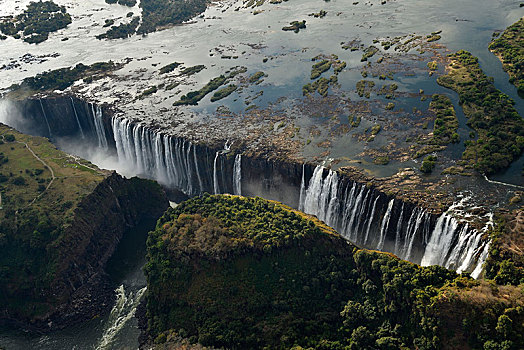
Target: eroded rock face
(397, 213)
(80, 289)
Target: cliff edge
(61, 218)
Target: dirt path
(53, 177)
(47, 166)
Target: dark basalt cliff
(80, 289)
(398, 214)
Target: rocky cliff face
(80, 288)
(397, 214)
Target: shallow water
(466, 24)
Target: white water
(370, 221)
(237, 175)
(99, 126)
(354, 211)
(398, 235)
(169, 160)
(123, 311)
(45, 117)
(77, 120)
(385, 225)
(216, 187)
(416, 219)
(440, 242)
(455, 246)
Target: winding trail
(53, 177)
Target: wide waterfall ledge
(363, 215)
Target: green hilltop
(247, 273)
(52, 206)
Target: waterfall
(417, 217)
(45, 117)
(169, 160)
(302, 195)
(237, 175)
(483, 255)
(321, 195)
(349, 228)
(385, 225)
(440, 241)
(370, 221)
(99, 126)
(399, 235)
(455, 246)
(76, 116)
(362, 216)
(200, 184)
(216, 188)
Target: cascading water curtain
(353, 210)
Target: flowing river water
(467, 24)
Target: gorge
(355, 184)
(365, 216)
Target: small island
(36, 22)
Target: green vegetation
(509, 47)
(368, 53)
(255, 77)
(108, 23)
(122, 31)
(159, 14)
(148, 91)
(52, 207)
(446, 123)
(490, 113)
(36, 22)
(375, 129)
(432, 65)
(193, 97)
(364, 87)
(381, 160)
(428, 164)
(338, 66)
(319, 68)
(323, 65)
(433, 37)
(355, 122)
(192, 70)
(224, 92)
(129, 3)
(295, 26)
(320, 14)
(169, 68)
(244, 273)
(444, 128)
(505, 265)
(61, 79)
(388, 90)
(32, 221)
(321, 86)
(390, 106)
